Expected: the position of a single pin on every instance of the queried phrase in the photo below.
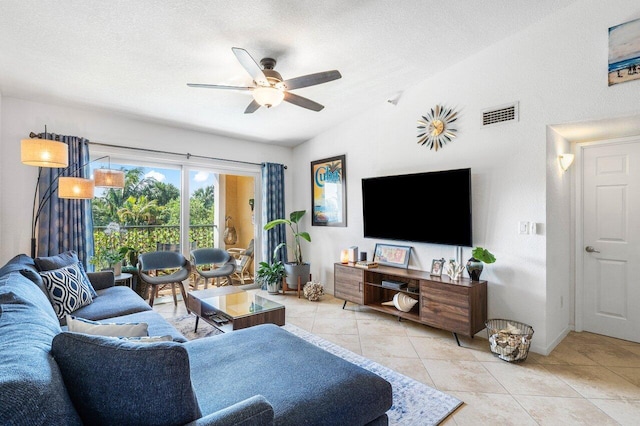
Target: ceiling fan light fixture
(268, 96)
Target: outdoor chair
(176, 247)
(175, 264)
(244, 258)
(219, 262)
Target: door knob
(590, 249)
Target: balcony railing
(144, 238)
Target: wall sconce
(565, 161)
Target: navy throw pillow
(114, 381)
(48, 263)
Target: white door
(611, 239)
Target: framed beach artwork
(392, 255)
(624, 52)
(329, 192)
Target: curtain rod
(155, 151)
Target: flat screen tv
(430, 207)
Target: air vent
(500, 114)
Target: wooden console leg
(344, 304)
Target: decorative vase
(293, 271)
(272, 288)
(474, 268)
(117, 269)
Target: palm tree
(206, 194)
(138, 211)
(160, 191)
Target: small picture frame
(392, 255)
(436, 267)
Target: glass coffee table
(229, 308)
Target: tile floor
(587, 380)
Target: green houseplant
(269, 275)
(298, 268)
(475, 266)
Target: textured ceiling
(135, 57)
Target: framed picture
(436, 267)
(624, 52)
(390, 255)
(329, 192)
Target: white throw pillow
(148, 339)
(81, 325)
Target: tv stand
(456, 306)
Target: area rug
(186, 323)
(414, 403)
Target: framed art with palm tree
(329, 192)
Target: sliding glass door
(171, 207)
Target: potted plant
(114, 258)
(475, 266)
(297, 269)
(269, 275)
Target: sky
(172, 176)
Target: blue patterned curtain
(273, 208)
(66, 224)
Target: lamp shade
(268, 96)
(75, 188)
(44, 153)
(108, 178)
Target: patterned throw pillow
(67, 289)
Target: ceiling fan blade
(217, 86)
(311, 79)
(302, 102)
(253, 107)
(251, 66)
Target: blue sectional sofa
(257, 376)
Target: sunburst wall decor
(435, 129)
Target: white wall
(19, 117)
(557, 70)
(1, 180)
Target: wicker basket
(509, 340)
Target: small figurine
(453, 269)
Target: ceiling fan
(269, 88)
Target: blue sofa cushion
(303, 391)
(67, 288)
(48, 263)
(152, 386)
(119, 300)
(27, 267)
(32, 391)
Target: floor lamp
(46, 153)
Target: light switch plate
(523, 228)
